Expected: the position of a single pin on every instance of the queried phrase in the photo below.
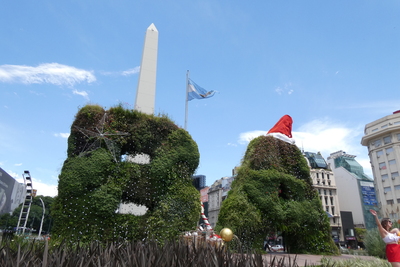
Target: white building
(355, 189)
(382, 138)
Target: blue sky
(333, 66)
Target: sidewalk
(303, 259)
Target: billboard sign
(6, 189)
(368, 193)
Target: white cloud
(42, 189)
(131, 71)
(52, 73)
(45, 189)
(62, 135)
(18, 164)
(81, 93)
(279, 90)
(326, 137)
(285, 88)
(246, 137)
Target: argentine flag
(197, 92)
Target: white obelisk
(146, 90)
(145, 100)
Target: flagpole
(187, 91)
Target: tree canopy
(8, 221)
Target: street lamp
(41, 223)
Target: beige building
(382, 138)
(216, 194)
(324, 182)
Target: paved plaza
(303, 259)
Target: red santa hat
(283, 126)
(283, 129)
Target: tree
(8, 221)
(360, 235)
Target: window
(326, 200)
(398, 137)
(329, 183)
(384, 126)
(379, 153)
(387, 139)
(390, 202)
(324, 192)
(392, 162)
(333, 210)
(398, 200)
(389, 150)
(322, 175)
(384, 177)
(317, 175)
(327, 176)
(382, 166)
(396, 122)
(327, 209)
(387, 189)
(374, 130)
(330, 192)
(332, 201)
(377, 142)
(395, 174)
(397, 187)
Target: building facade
(12, 193)
(355, 189)
(216, 194)
(324, 182)
(199, 181)
(382, 138)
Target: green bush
(95, 178)
(273, 193)
(374, 244)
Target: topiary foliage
(92, 183)
(273, 193)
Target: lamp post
(41, 223)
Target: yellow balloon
(226, 234)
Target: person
(267, 246)
(390, 237)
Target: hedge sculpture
(99, 174)
(273, 194)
